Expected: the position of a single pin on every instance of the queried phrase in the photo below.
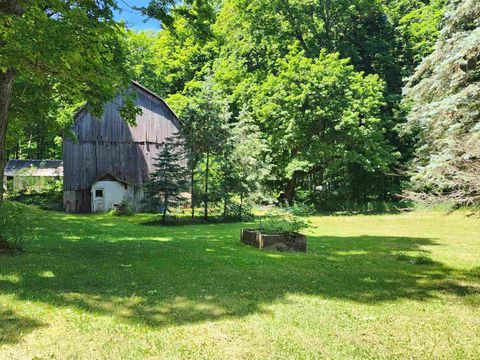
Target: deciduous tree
(73, 49)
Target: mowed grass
(101, 287)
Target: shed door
(99, 200)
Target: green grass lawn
(373, 286)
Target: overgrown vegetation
(123, 209)
(15, 230)
(282, 222)
(49, 197)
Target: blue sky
(133, 18)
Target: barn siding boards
(109, 145)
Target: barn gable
(109, 145)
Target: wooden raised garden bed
(281, 242)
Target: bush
(282, 222)
(15, 230)
(302, 210)
(50, 198)
(233, 212)
(123, 209)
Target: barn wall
(109, 145)
(77, 201)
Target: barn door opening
(99, 200)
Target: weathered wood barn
(110, 160)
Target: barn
(109, 160)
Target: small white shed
(108, 192)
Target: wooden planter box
(293, 242)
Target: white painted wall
(113, 194)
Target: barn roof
(34, 168)
(148, 91)
(158, 97)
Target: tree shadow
(13, 326)
(181, 275)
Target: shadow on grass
(13, 326)
(179, 275)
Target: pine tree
(444, 94)
(250, 155)
(168, 181)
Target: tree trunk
(205, 200)
(290, 190)
(6, 84)
(241, 205)
(165, 204)
(192, 190)
(164, 215)
(224, 208)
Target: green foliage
(167, 182)
(15, 230)
(282, 222)
(327, 123)
(61, 54)
(49, 197)
(123, 209)
(443, 98)
(91, 47)
(302, 209)
(242, 212)
(418, 26)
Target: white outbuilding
(108, 192)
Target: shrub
(15, 230)
(234, 213)
(49, 198)
(123, 209)
(302, 210)
(282, 222)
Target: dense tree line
(321, 81)
(279, 99)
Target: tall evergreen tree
(444, 95)
(168, 181)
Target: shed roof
(111, 177)
(51, 168)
